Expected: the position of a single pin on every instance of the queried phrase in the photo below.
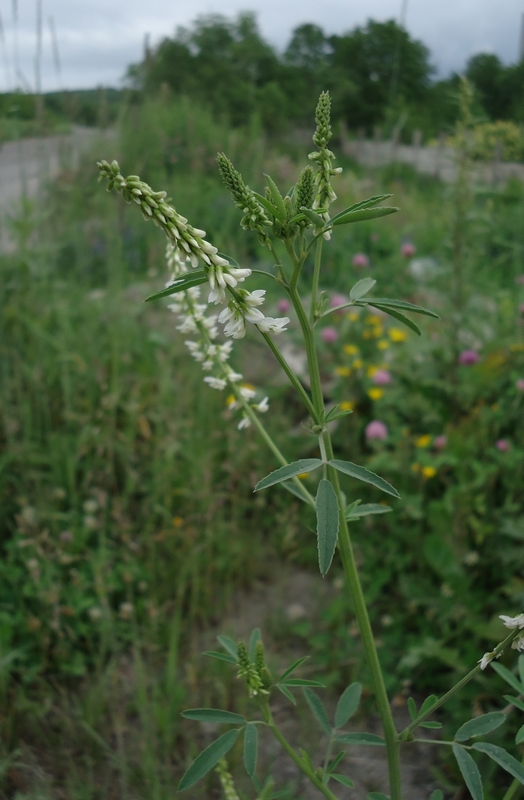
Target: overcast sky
(97, 39)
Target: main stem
(350, 567)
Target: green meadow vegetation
(127, 514)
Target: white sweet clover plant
(297, 224)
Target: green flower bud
(254, 218)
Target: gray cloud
(98, 40)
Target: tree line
(377, 74)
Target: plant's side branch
(407, 732)
(292, 377)
(316, 279)
(308, 498)
(300, 762)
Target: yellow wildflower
(352, 316)
(345, 372)
(423, 441)
(367, 334)
(397, 335)
(375, 393)
(377, 332)
(371, 370)
(415, 467)
(383, 344)
(350, 349)
(346, 405)
(516, 348)
(231, 400)
(429, 472)
(357, 363)
(373, 319)
(303, 476)
(178, 522)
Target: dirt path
(27, 165)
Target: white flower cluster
(242, 307)
(513, 623)
(187, 244)
(204, 348)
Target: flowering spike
(254, 218)
(324, 192)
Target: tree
(379, 67)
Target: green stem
(514, 790)
(308, 498)
(301, 764)
(406, 733)
(316, 278)
(291, 375)
(359, 605)
(350, 567)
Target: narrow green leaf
(277, 197)
(213, 715)
(508, 677)
(229, 645)
(328, 521)
(363, 474)
(230, 259)
(269, 207)
(255, 637)
(412, 708)
(343, 779)
(437, 795)
(208, 758)
(317, 709)
(348, 704)
(293, 489)
(402, 304)
(366, 509)
(220, 656)
(289, 471)
(521, 668)
(313, 217)
(361, 215)
(361, 288)
(469, 771)
(335, 413)
(377, 796)
(303, 682)
(480, 726)
(250, 748)
(336, 761)
(502, 758)
(514, 701)
(428, 702)
(519, 738)
(361, 738)
(286, 693)
(432, 725)
(295, 665)
(194, 278)
(372, 201)
(398, 316)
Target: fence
(437, 161)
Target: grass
(126, 515)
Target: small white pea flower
(207, 365)
(518, 643)
(513, 622)
(244, 423)
(234, 376)
(187, 325)
(263, 406)
(215, 383)
(217, 296)
(487, 658)
(225, 351)
(272, 325)
(255, 316)
(247, 393)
